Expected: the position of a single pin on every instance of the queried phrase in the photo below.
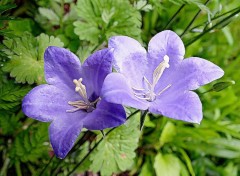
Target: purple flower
(71, 100)
(158, 80)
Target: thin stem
(202, 34)
(46, 165)
(95, 146)
(216, 17)
(142, 119)
(5, 167)
(174, 17)
(81, 141)
(191, 22)
(18, 168)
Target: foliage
(101, 19)
(11, 95)
(30, 145)
(116, 152)
(26, 57)
(209, 29)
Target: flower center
(84, 104)
(148, 92)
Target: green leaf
(169, 131)
(167, 165)
(147, 168)
(30, 144)
(18, 27)
(101, 19)
(231, 169)
(4, 8)
(9, 123)
(11, 95)
(116, 152)
(26, 57)
(143, 5)
(50, 15)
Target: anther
(159, 70)
(80, 88)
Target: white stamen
(159, 70)
(148, 93)
(84, 104)
(137, 89)
(164, 89)
(146, 80)
(81, 88)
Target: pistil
(84, 104)
(148, 93)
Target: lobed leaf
(26, 57)
(116, 152)
(101, 19)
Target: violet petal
(64, 132)
(106, 115)
(45, 103)
(164, 43)
(185, 106)
(95, 69)
(117, 90)
(130, 58)
(61, 66)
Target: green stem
(208, 30)
(81, 141)
(142, 119)
(18, 168)
(216, 17)
(174, 17)
(41, 173)
(191, 22)
(95, 146)
(4, 168)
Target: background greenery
(210, 29)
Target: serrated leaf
(143, 5)
(9, 122)
(11, 95)
(29, 144)
(50, 15)
(167, 165)
(101, 19)
(116, 152)
(26, 57)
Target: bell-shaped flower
(159, 79)
(72, 98)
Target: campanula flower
(159, 79)
(71, 100)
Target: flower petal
(164, 43)
(94, 70)
(46, 102)
(61, 66)
(106, 115)
(193, 73)
(64, 132)
(130, 58)
(117, 90)
(186, 107)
